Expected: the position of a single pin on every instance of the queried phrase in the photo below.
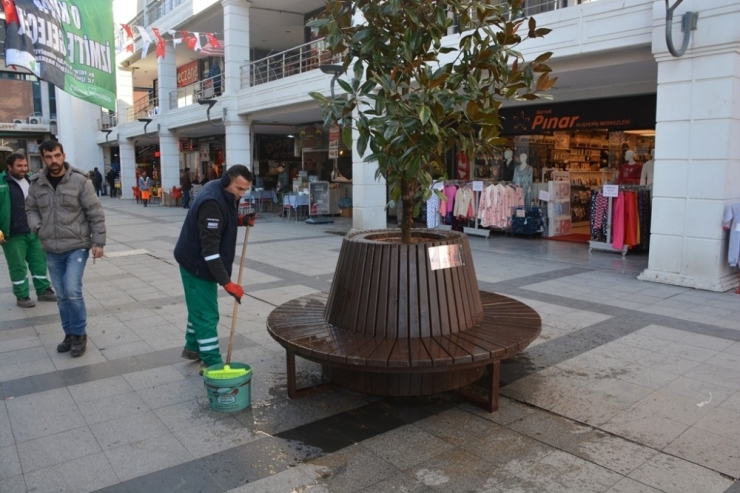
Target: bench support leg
(491, 403)
(294, 392)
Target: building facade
(619, 88)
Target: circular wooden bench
(403, 366)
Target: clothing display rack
(607, 246)
(643, 230)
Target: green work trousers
(201, 298)
(24, 253)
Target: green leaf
(424, 114)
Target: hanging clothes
(433, 204)
(446, 207)
(629, 174)
(618, 223)
(464, 203)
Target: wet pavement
(632, 386)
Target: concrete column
(124, 92)
(368, 194)
(168, 148)
(697, 151)
(128, 168)
(236, 42)
(238, 141)
(78, 121)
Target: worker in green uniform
(205, 252)
(21, 246)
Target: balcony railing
(145, 107)
(294, 61)
(204, 89)
(155, 11)
(107, 120)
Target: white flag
(197, 47)
(175, 40)
(146, 41)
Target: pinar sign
(635, 112)
(188, 74)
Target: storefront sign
(611, 190)
(445, 257)
(311, 137)
(23, 127)
(634, 112)
(188, 74)
(276, 148)
(318, 198)
(334, 135)
(333, 153)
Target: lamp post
(210, 103)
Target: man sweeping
(205, 252)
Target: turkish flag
(212, 40)
(10, 13)
(160, 43)
(129, 37)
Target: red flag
(212, 40)
(160, 43)
(129, 37)
(10, 13)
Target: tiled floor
(632, 387)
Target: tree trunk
(407, 217)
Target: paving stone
(129, 429)
(16, 484)
(722, 422)
(113, 407)
(667, 473)
(6, 433)
(627, 485)
(140, 458)
(170, 393)
(38, 415)
(100, 389)
(185, 415)
(645, 427)
(710, 450)
(209, 439)
(406, 446)
(55, 449)
(10, 465)
(153, 377)
(85, 474)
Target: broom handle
(236, 303)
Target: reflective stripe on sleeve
(212, 257)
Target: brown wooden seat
(440, 361)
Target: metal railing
(190, 94)
(107, 120)
(155, 11)
(145, 107)
(294, 61)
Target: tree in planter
(412, 97)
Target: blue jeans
(66, 271)
(186, 198)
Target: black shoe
(188, 354)
(48, 295)
(79, 345)
(66, 344)
(25, 302)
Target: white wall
(77, 121)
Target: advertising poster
(70, 44)
(318, 198)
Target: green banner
(70, 44)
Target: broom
(227, 371)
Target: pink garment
(447, 206)
(618, 223)
(464, 203)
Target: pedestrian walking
(65, 212)
(111, 178)
(21, 246)
(98, 182)
(186, 186)
(205, 252)
(145, 185)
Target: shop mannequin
(523, 176)
(646, 177)
(506, 172)
(630, 171)
(463, 166)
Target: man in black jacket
(205, 252)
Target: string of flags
(125, 39)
